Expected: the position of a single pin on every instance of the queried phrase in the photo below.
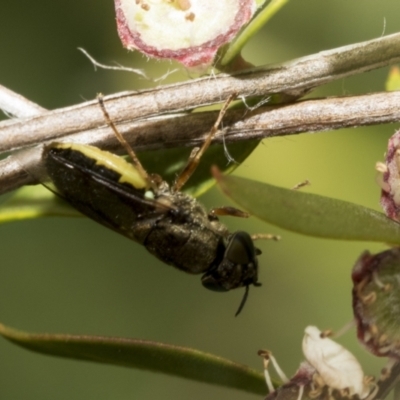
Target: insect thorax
(186, 236)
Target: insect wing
(96, 189)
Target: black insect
(172, 225)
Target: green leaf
(310, 214)
(393, 80)
(34, 202)
(152, 356)
(265, 12)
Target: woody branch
(158, 118)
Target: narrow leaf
(34, 202)
(310, 214)
(265, 12)
(134, 353)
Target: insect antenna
(243, 302)
(135, 161)
(197, 153)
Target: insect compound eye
(238, 267)
(240, 249)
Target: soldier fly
(172, 225)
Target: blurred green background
(73, 276)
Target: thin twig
(16, 105)
(268, 121)
(190, 129)
(142, 117)
(294, 78)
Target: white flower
(337, 367)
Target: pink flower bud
(189, 31)
(389, 178)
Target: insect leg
(226, 210)
(194, 159)
(265, 236)
(135, 161)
